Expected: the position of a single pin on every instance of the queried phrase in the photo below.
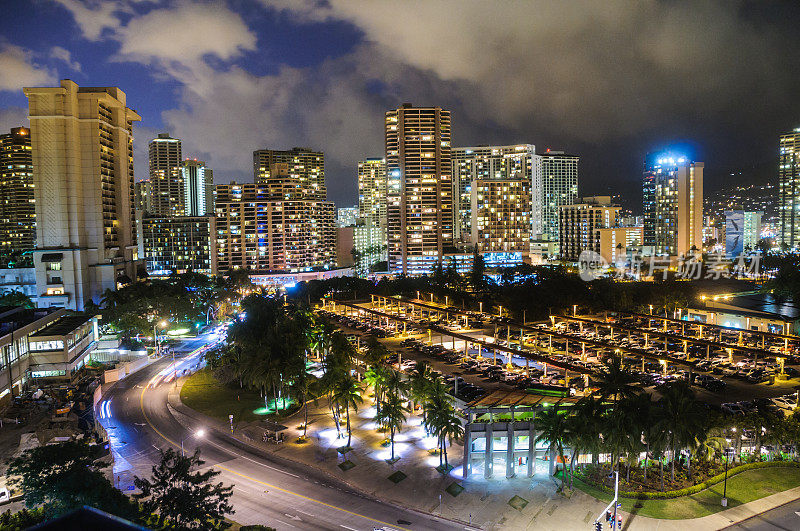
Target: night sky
(606, 80)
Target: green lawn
(203, 393)
(742, 488)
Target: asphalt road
(783, 518)
(267, 490)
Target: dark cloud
(607, 80)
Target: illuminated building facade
(578, 224)
(672, 189)
(419, 188)
(304, 165)
(370, 230)
(82, 145)
(346, 216)
(166, 179)
(143, 196)
(198, 188)
(501, 215)
(178, 244)
(789, 189)
(615, 243)
(742, 232)
(476, 174)
(17, 207)
(555, 183)
(273, 228)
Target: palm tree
(392, 416)
(617, 381)
(420, 382)
(375, 352)
(583, 429)
(553, 426)
(348, 395)
(681, 419)
(376, 377)
(441, 420)
(445, 424)
(396, 383)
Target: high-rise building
(555, 183)
(578, 224)
(305, 165)
(198, 188)
(614, 243)
(742, 231)
(419, 188)
(501, 215)
(178, 244)
(166, 179)
(478, 166)
(275, 225)
(346, 216)
(789, 189)
(17, 207)
(370, 231)
(672, 189)
(82, 143)
(143, 195)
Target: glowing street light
(199, 434)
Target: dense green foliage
(48, 477)
(530, 292)
(178, 497)
(189, 298)
(676, 431)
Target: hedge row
(695, 488)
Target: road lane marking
(173, 443)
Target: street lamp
(728, 455)
(162, 324)
(199, 434)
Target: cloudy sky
(607, 80)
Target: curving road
(267, 489)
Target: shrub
(657, 495)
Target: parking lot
(734, 369)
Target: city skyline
(308, 68)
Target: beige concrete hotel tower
(82, 145)
(419, 188)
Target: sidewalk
(484, 502)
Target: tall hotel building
(166, 179)
(672, 191)
(370, 230)
(177, 244)
(198, 188)
(17, 207)
(419, 188)
(579, 224)
(789, 189)
(493, 206)
(555, 184)
(304, 165)
(279, 224)
(82, 143)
